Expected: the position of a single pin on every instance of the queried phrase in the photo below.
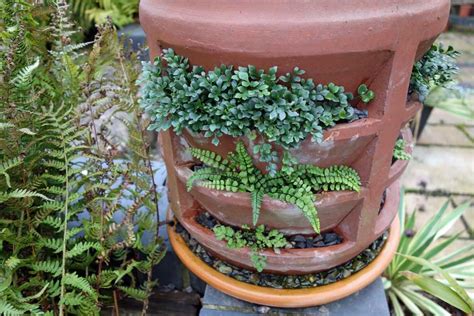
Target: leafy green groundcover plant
(256, 240)
(435, 69)
(239, 102)
(294, 183)
(61, 248)
(418, 267)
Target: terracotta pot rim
(367, 126)
(290, 298)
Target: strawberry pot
(352, 43)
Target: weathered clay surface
(235, 208)
(349, 42)
(342, 144)
(294, 261)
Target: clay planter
(349, 43)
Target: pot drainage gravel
(284, 281)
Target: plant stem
(116, 307)
(66, 209)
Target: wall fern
(399, 152)
(63, 179)
(294, 183)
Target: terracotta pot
(349, 42)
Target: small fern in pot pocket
(294, 183)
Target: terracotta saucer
(289, 298)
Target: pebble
(262, 309)
(288, 281)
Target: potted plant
(283, 171)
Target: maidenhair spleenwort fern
(399, 152)
(295, 184)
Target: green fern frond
(12, 263)
(52, 243)
(8, 309)
(82, 247)
(7, 165)
(20, 194)
(304, 200)
(49, 266)
(23, 78)
(257, 198)
(248, 171)
(55, 222)
(57, 164)
(156, 255)
(134, 293)
(223, 185)
(399, 152)
(295, 184)
(201, 174)
(210, 158)
(80, 283)
(4, 125)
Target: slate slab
(369, 301)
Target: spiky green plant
(423, 264)
(294, 183)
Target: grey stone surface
(437, 168)
(369, 301)
(136, 34)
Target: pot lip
(366, 126)
(289, 298)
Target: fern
(57, 161)
(73, 280)
(24, 77)
(295, 184)
(399, 152)
(50, 266)
(134, 293)
(19, 194)
(8, 309)
(224, 185)
(210, 158)
(201, 174)
(257, 197)
(82, 247)
(6, 165)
